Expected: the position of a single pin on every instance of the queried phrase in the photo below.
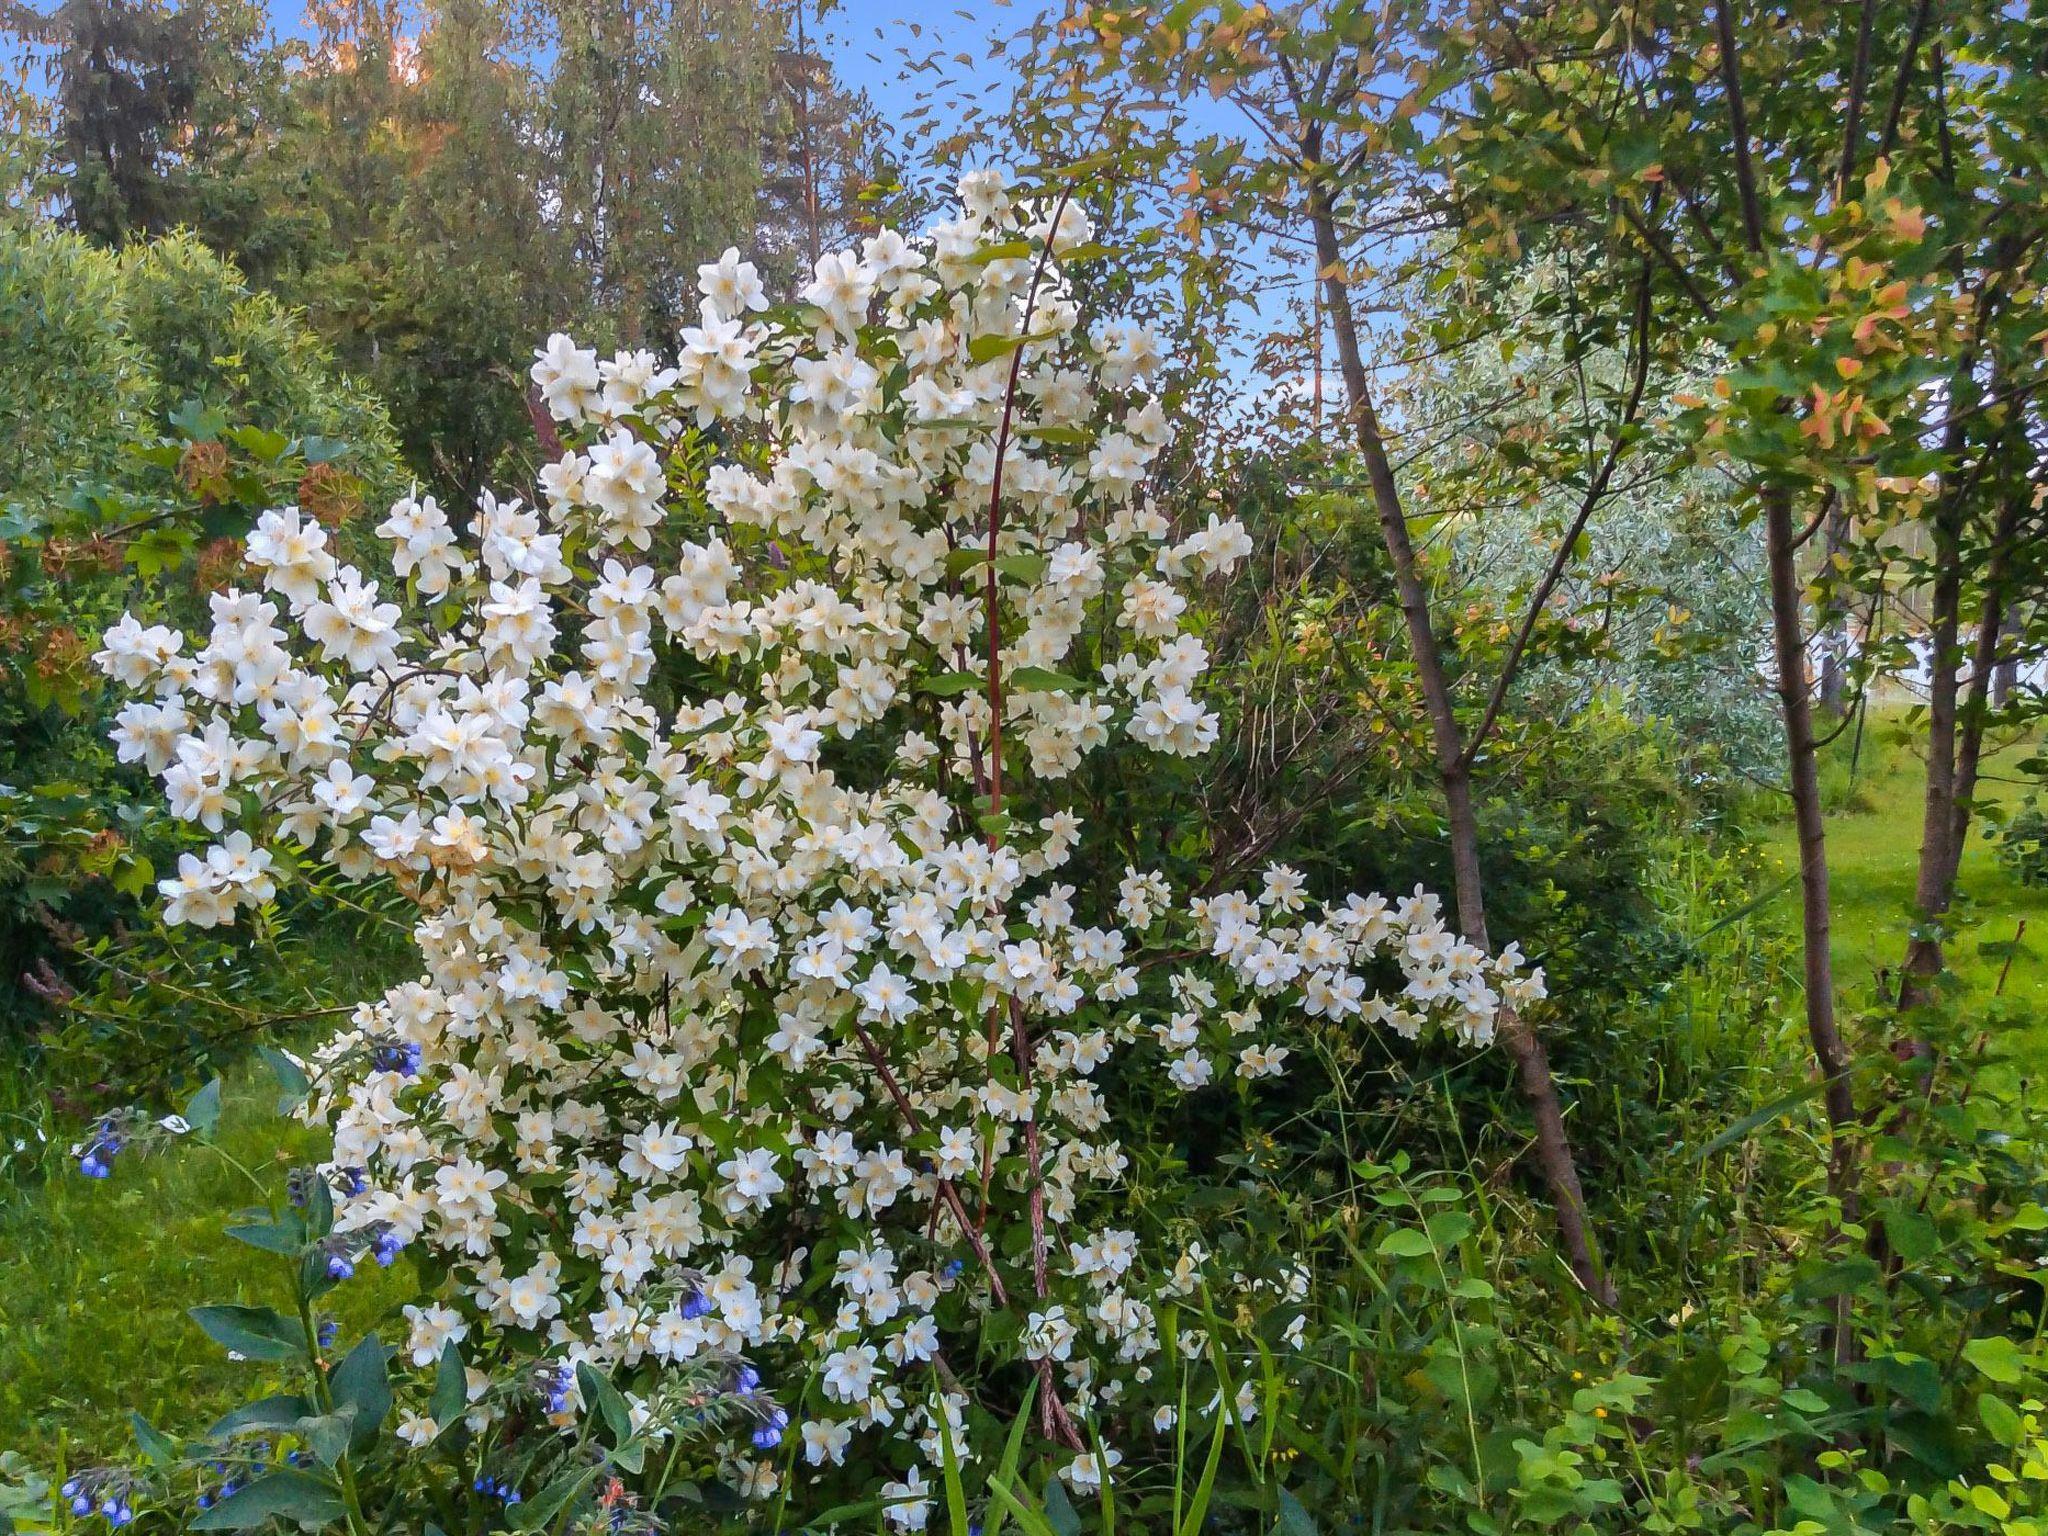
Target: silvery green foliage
(754, 1019)
(1670, 579)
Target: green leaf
(362, 1383)
(1013, 1450)
(1912, 1234)
(1407, 1243)
(285, 1494)
(537, 1512)
(2004, 1424)
(1024, 568)
(1043, 680)
(270, 1236)
(1065, 437)
(1009, 1504)
(292, 1081)
(949, 1472)
(1294, 1520)
(599, 1393)
(985, 349)
(1997, 1357)
(202, 1110)
(159, 549)
(1007, 250)
(327, 1435)
(255, 1333)
(451, 1387)
(1060, 1513)
(947, 684)
(264, 444)
(267, 1415)
(154, 1443)
(195, 420)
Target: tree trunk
(1933, 886)
(1834, 670)
(1517, 1036)
(2005, 676)
(1803, 769)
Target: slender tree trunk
(1834, 671)
(1517, 1036)
(1955, 733)
(1795, 701)
(2005, 676)
(1933, 887)
(1993, 622)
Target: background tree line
(434, 185)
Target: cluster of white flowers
(754, 1021)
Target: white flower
(694, 835)
(849, 1373)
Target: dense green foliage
(158, 405)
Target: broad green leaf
(153, 1442)
(327, 1435)
(451, 1387)
(1025, 568)
(600, 1395)
(292, 1082)
(270, 1236)
(362, 1384)
(1294, 1519)
(1998, 1417)
(267, 1415)
(283, 1494)
(1997, 1357)
(202, 1110)
(1060, 1513)
(255, 1333)
(1043, 680)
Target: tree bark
(2005, 676)
(1802, 753)
(1834, 670)
(1788, 644)
(1934, 884)
(1517, 1036)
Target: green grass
(1873, 853)
(95, 1278)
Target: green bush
(153, 406)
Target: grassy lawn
(1873, 853)
(95, 1278)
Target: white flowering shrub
(756, 1021)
